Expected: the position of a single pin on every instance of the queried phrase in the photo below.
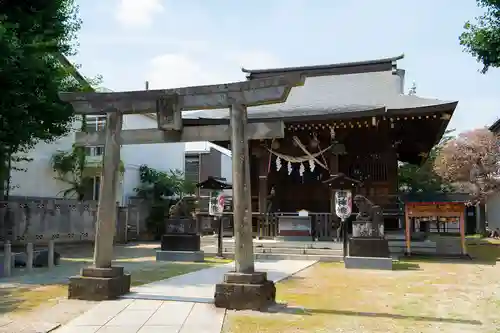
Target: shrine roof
(338, 68)
(435, 197)
(495, 128)
(348, 91)
(322, 109)
(336, 91)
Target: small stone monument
(368, 247)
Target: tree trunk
(482, 218)
(3, 173)
(5, 166)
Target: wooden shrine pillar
(334, 169)
(263, 181)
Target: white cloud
(255, 59)
(173, 70)
(138, 13)
(178, 70)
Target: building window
(97, 187)
(94, 151)
(192, 168)
(95, 123)
(92, 188)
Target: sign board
(435, 208)
(216, 204)
(168, 113)
(343, 203)
(294, 226)
(303, 213)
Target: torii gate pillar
(242, 289)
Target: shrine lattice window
(370, 167)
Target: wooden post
(29, 255)
(263, 186)
(263, 163)
(126, 224)
(243, 252)
(7, 259)
(334, 169)
(248, 181)
(407, 230)
(106, 212)
(462, 233)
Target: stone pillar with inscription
(102, 281)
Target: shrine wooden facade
(351, 118)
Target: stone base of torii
(242, 289)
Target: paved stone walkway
(177, 305)
(199, 286)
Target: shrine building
(350, 118)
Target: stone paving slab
(199, 286)
(146, 316)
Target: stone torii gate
(242, 289)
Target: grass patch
(22, 299)
(162, 271)
(485, 249)
(421, 297)
(405, 266)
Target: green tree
(34, 36)
(423, 178)
(164, 191)
(157, 185)
(482, 38)
(70, 168)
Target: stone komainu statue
(369, 212)
(185, 207)
(182, 216)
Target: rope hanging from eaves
(312, 158)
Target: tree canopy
(422, 178)
(471, 161)
(156, 184)
(482, 38)
(33, 37)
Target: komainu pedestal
(99, 284)
(241, 291)
(180, 247)
(368, 247)
(368, 240)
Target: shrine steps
(285, 256)
(282, 250)
(294, 251)
(330, 251)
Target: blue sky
(174, 43)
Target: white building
(205, 159)
(493, 201)
(38, 179)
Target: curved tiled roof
(322, 67)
